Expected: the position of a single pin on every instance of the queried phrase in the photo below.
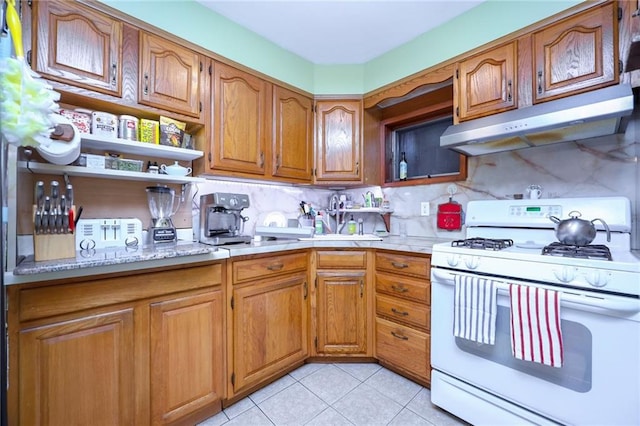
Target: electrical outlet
(424, 208)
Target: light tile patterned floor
(334, 395)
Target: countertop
(114, 260)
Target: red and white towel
(475, 309)
(535, 325)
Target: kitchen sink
(342, 237)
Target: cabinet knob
(401, 313)
(146, 83)
(399, 265)
(399, 289)
(275, 267)
(509, 97)
(114, 73)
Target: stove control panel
(535, 211)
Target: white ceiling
(328, 32)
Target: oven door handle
(627, 305)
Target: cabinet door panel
(341, 311)
(487, 82)
(339, 147)
(576, 54)
(270, 328)
(239, 121)
(79, 46)
(169, 76)
(293, 135)
(78, 372)
(186, 356)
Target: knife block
(53, 246)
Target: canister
(128, 127)
(80, 118)
(104, 124)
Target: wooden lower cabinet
(342, 303)
(186, 357)
(269, 317)
(403, 314)
(139, 349)
(78, 371)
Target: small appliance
(161, 205)
(221, 220)
(101, 233)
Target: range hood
(587, 115)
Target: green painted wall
(191, 21)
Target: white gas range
(599, 313)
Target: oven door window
(576, 372)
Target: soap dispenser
(351, 226)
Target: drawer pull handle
(275, 267)
(399, 265)
(397, 312)
(399, 336)
(399, 289)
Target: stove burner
(585, 252)
(483, 243)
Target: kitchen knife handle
(39, 194)
(70, 195)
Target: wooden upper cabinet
(338, 141)
(241, 119)
(487, 83)
(169, 76)
(292, 144)
(576, 54)
(77, 45)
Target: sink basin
(342, 237)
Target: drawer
(341, 259)
(416, 289)
(404, 347)
(403, 264)
(404, 311)
(250, 269)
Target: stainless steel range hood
(587, 115)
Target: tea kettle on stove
(577, 232)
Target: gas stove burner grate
(483, 243)
(594, 251)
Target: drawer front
(416, 289)
(404, 311)
(403, 264)
(250, 269)
(404, 347)
(341, 259)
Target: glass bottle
(403, 167)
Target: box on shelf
(94, 161)
(79, 118)
(130, 165)
(171, 132)
(104, 124)
(149, 131)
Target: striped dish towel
(475, 309)
(535, 325)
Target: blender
(161, 200)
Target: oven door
(599, 382)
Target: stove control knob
(233, 201)
(452, 260)
(598, 278)
(565, 275)
(472, 262)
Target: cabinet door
(338, 141)
(77, 45)
(169, 76)
(78, 372)
(487, 83)
(240, 117)
(187, 365)
(577, 54)
(293, 135)
(341, 312)
(269, 328)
